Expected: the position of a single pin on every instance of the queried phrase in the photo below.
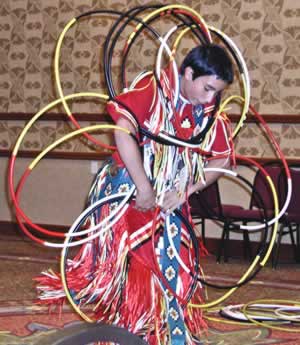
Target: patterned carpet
(24, 323)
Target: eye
(207, 89)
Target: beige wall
(266, 31)
(55, 192)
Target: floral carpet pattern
(22, 322)
(29, 324)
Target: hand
(145, 199)
(172, 200)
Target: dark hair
(209, 59)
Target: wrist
(144, 187)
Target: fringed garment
(140, 274)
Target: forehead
(212, 82)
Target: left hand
(171, 201)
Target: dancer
(141, 274)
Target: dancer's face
(201, 90)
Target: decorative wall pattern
(266, 31)
(44, 133)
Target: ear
(188, 73)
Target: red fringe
(127, 292)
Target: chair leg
(203, 231)
(247, 245)
(222, 244)
(277, 247)
(291, 232)
(298, 242)
(226, 243)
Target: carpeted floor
(24, 323)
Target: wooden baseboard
(59, 155)
(105, 155)
(9, 228)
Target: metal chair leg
(226, 243)
(203, 231)
(221, 245)
(291, 232)
(247, 245)
(277, 247)
(298, 242)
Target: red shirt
(142, 100)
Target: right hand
(145, 199)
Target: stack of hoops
(187, 20)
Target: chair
(261, 209)
(206, 204)
(290, 221)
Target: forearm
(211, 176)
(131, 156)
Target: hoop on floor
(287, 303)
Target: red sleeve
(138, 102)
